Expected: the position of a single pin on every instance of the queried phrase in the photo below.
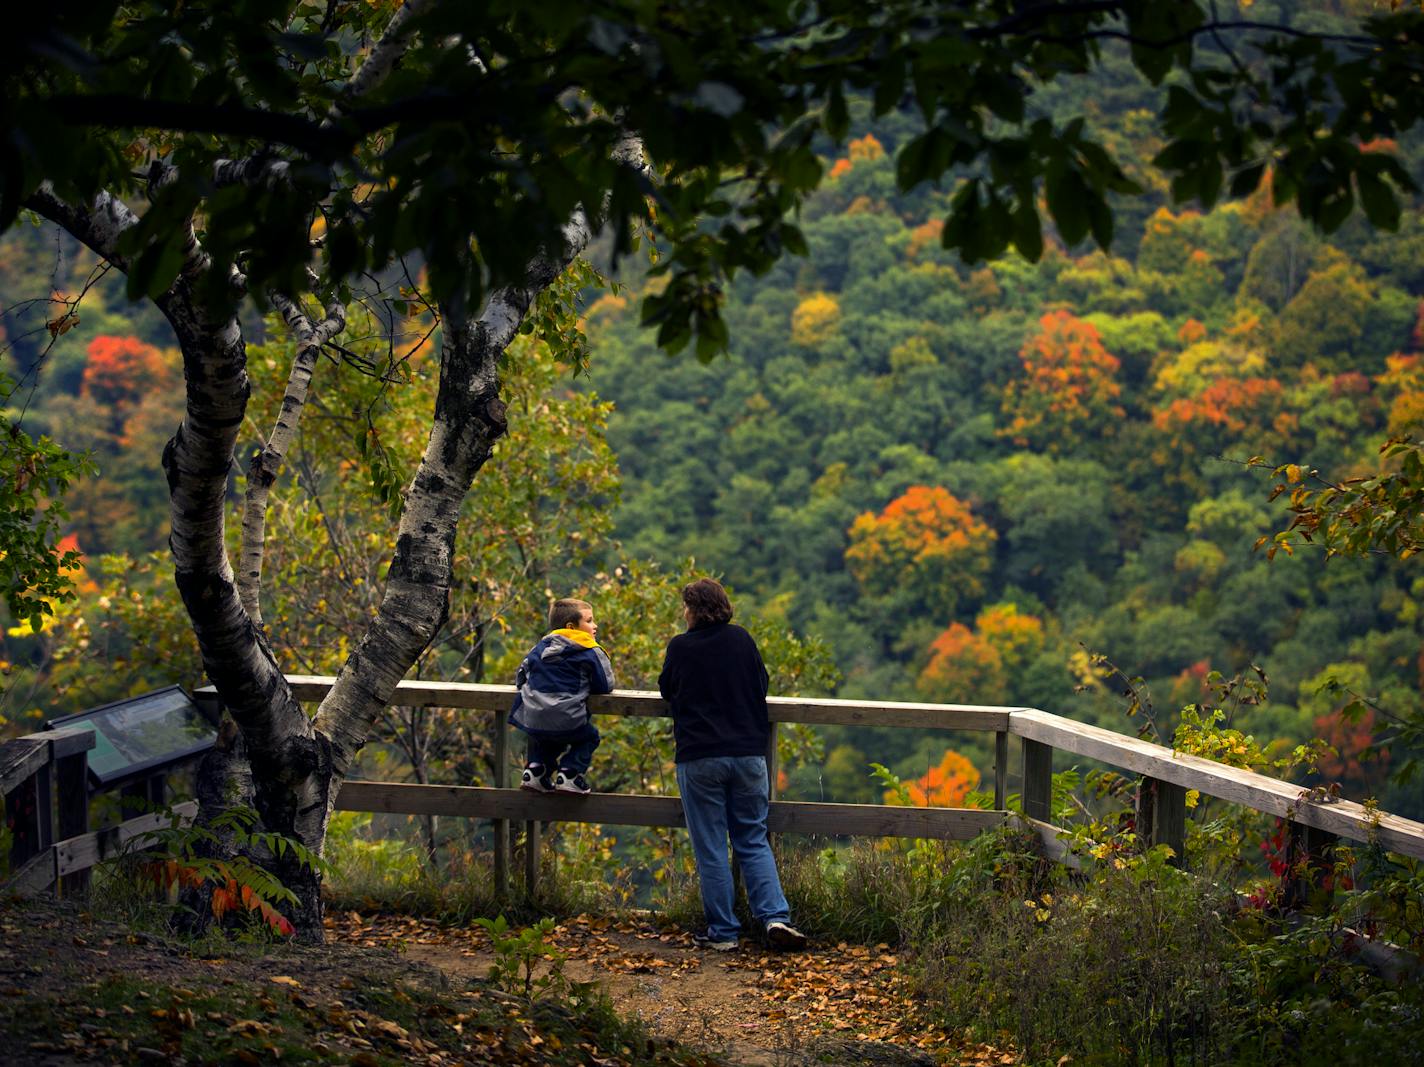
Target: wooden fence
(43, 778)
(1314, 822)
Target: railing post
(142, 797)
(501, 781)
(26, 817)
(211, 705)
(72, 783)
(532, 846)
(1308, 861)
(771, 764)
(44, 803)
(1037, 780)
(1162, 817)
(1001, 769)
(771, 774)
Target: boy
(554, 684)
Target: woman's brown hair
(706, 601)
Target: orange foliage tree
(973, 666)
(1357, 762)
(1068, 391)
(944, 785)
(926, 541)
(964, 668)
(1227, 406)
(1405, 374)
(122, 370)
(859, 149)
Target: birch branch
(382, 58)
(100, 225)
(267, 462)
(270, 172)
(197, 461)
(469, 418)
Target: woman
(715, 682)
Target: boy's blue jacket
(554, 682)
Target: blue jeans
(548, 749)
(725, 797)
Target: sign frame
(132, 772)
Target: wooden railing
(1314, 822)
(28, 765)
(44, 780)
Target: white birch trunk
(263, 469)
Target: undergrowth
(368, 873)
(1126, 960)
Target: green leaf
(890, 86)
(1004, 94)
(1028, 231)
(1333, 211)
(911, 166)
(837, 115)
(1100, 218)
(712, 337)
(1245, 181)
(1067, 202)
(1378, 200)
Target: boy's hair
(567, 611)
(707, 601)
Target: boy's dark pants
(546, 749)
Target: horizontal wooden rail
(1247, 788)
(624, 809)
(22, 757)
(26, 763)
(85, 851)
(1040, 731)
(642, 704)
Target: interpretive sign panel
(142, 734)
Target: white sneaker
(784, 935)
(536, 780)
(571, 783)
(701, 940)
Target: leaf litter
(833, 1003)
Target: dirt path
(833, 1004)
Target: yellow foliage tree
(815, 320)
(1198, 365)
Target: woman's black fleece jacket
(715, 681)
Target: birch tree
(274, 151)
